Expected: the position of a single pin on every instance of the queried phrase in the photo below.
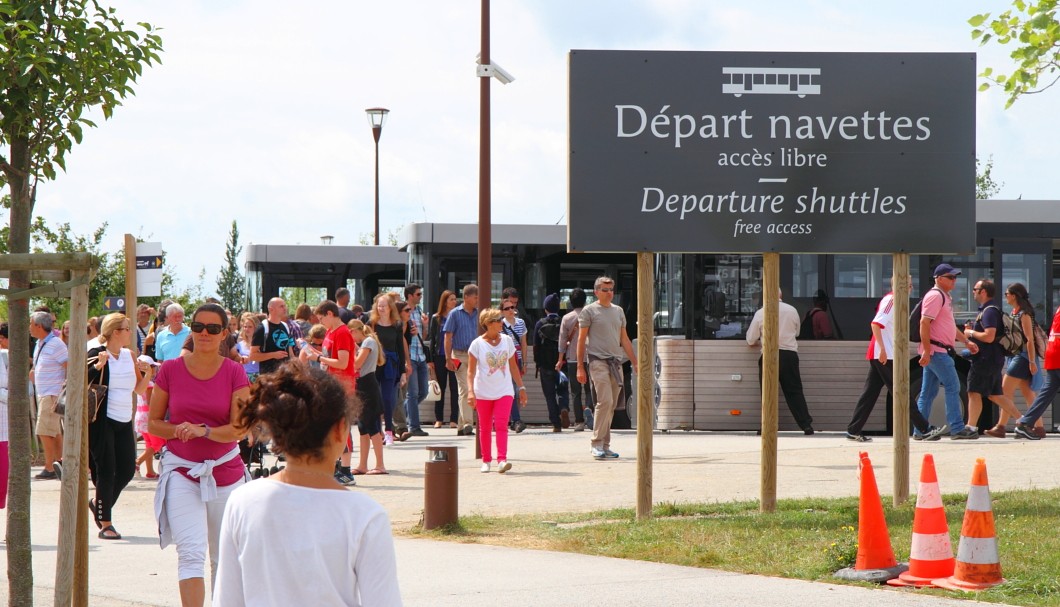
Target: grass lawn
(806, 539)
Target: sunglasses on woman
(212, 329)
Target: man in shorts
(48, 375)
(988, 359)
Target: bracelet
(522, 388)
(207, 428)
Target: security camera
(493, 71)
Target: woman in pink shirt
(195, 406)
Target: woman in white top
(492, 367)
(336, 547)
(111, 446)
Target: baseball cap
(944, 268)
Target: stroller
(253, 456)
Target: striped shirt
(416, 344)
(49, 366)
(464, 327)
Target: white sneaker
(485, 467)
(388, 438)
(503, 467)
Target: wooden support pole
(130, 291)
(71, 570)
(645, 380)
(900, 379)
(770, 378)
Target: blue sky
(257, 111)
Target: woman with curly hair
(337, 540)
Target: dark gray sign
(783, 152)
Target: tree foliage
(985, 186)
(1034, 32)
(59, 60)
(231, 285)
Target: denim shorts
(1018, 367)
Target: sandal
(151, 476)
(92, 510)
(109, 529)
(378, 471)
(357, 471)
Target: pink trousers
(495, 411)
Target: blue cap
(944, 268)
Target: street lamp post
(377, 118)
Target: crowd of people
(203, 393)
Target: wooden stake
(71, 568)
(645, 380)
(770, 378)
(900, 378)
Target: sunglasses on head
(212, 329)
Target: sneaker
(344, 479)
(996, 432)
(564, 418)
(858, 438)
(588, 417)
(57, 468)
(966, 433)
(935, 433)
(598, 453)
(418, 432)
(519, 426)
(46, 475)
(503, 467)
(388, 438)
(1026, 432)
(466, 431)
(610, 454)
(485, 467)
(579, 427)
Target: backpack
(1040, 338)
(546, 342)
(1011, 338)
(914, 317)
(806, 329)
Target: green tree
(1034, 32)
(231, 285)
(985, 186)
(58, 61)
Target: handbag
(97, 395)
(434, 391)
(60, 402)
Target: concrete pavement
(554, 473)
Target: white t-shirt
(335, 548)
(121, 382)
(492, 379)
(885, 321)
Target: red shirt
(338, 340)
(1052, 346)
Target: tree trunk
(19, 546)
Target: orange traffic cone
(875, 561)
(978, 565)
(931, 555)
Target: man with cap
(938, 333)
(546, 355)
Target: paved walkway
(554, 473)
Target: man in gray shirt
(602, 341)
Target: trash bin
(440, 476)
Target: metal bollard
(440, 476)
